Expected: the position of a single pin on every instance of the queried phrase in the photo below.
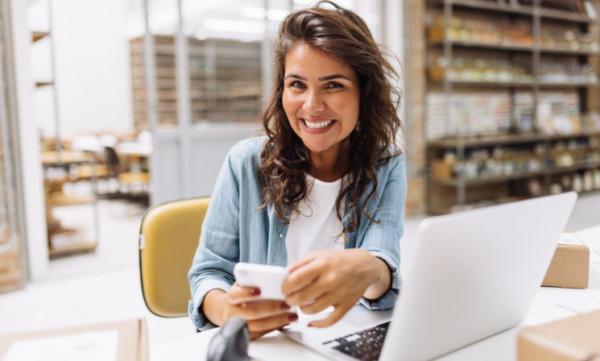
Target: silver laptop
(474, 274)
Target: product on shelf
(482, 164)
(479, 113)
(556, 188)
(567, 40)
(575, 152)
(566, 73)
(597, 179)
(481, 70)
(534, 187)
(588, 181)
(558, 112)
(476, 31)
(591, 122)
(481, 31)
(469, 113)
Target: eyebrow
(324, 78)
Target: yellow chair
(169, 237)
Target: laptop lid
(474, 274)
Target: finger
(272, 323)
(238, 294)
(302, 277)
(320, 304)
(301, 262)
(262, 309)
(335, 316)
(255, 335)
(308, 294)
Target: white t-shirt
(317, 226)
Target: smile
(318, 126)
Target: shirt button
(280, 235)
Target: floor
(104, 286)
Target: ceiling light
(259, 13)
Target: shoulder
(395, 162)
(245, 154)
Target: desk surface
(141, 149)
(550, 304)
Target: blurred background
(108, 107)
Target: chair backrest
(112, 160)
(169, 237)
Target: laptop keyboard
(365, 345)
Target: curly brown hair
(343, 35)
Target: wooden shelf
(38, 35)
(575, 168)
(51, 158)
(522, 9)
(41, 84)
(61, 199)
(482, 181)
(86, 246)
(490, 180)
(566, 16)
(504, 139)
(513, 47)
(490, 84)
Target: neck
(328, 165)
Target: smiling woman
(323, 193)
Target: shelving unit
(225, 80)
(465, 166)
(60, 159)
(64, 241)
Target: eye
(297, 84)
(334, 85)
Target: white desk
(550, 304)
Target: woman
(323, 193)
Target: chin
(317, 147)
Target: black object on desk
(231, 342)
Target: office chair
(169, 237)
(126, 179)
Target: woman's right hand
(262, 316)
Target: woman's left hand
(334, 278)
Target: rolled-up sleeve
(218, 250)
(382, 239)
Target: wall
(92, 66)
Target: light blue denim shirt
(235, 231)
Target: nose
(314, 102)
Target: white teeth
(319, 125)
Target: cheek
(289, 105)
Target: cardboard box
(570, 266)
(441, 170)
(132, 338)
(572, 339)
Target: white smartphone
(268, 278)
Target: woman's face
(320, 98)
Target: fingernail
(255, 291)
(310, 324)
(293, 317)
(284, 306)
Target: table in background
(133, 154)
(550, 304)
